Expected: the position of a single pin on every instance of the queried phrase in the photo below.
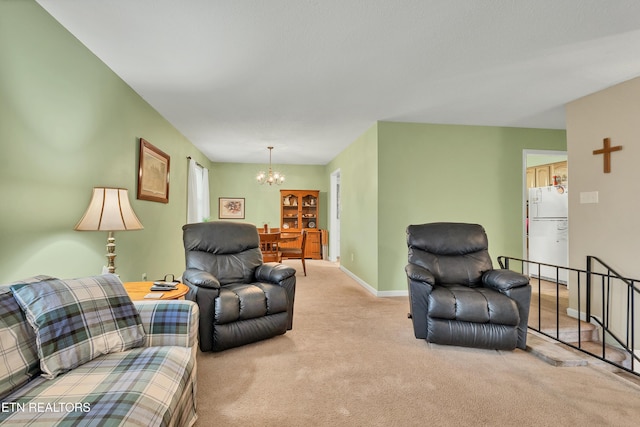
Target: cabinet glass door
(289, 212)
(309, 211)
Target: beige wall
(609, 229)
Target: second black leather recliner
(456, 297)
(241, 299)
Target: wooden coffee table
(137, 291)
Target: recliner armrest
(420, 274)
(274, 272)
(200, 278)
(503, 279)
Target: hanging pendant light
(270, 177)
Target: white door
(334, 219)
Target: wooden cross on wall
(607, 150)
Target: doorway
(548, 170)
(334, 217)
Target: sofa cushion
(77, 320)
(148, 386)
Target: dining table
(278, 236)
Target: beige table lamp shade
(109, 210)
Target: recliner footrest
(244, 301)
(477, 305)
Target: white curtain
(205, 205)
(197, 193)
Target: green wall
(544, 159)
(452, 173)
(67, 124)
(398, 174)
(359, 220)
(262, 202)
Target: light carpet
(352, 360)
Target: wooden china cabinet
(299, 210)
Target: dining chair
(269, 247)
(296, 252)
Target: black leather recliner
(241, 299)
(456, 297)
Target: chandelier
(270, 177)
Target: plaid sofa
(153, 384)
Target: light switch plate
(588, 197)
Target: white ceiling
(310, 76)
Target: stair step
(588, 332)
(611, 353)
(558, 354)
(549, 305)
(553, 352)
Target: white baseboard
(572, 312)
(373, 291)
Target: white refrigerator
(548, 231)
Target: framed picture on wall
(230, 208)
(153, 173)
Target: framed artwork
(230, 208)
(153, 173)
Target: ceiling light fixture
(270, 177)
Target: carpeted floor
(352, 360)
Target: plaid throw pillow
(18, 354)
(77, 320)
(19, 358)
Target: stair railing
(588, 283)
(605, 291)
